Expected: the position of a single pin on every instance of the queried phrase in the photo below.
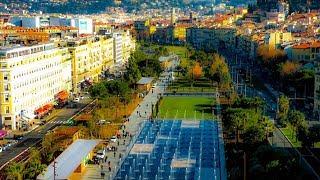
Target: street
(57, 118)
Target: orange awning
(48, 106)
(62, 95)
(40, 110)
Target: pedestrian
(120, 155)
(137, 112)
(109, 163)
(109, 168)
(118, 143)
(124, 142)
(114, 154)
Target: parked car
(101, 154)
(76, 99)
(113, 139)
(154, 85)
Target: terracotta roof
(307, 45)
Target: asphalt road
(57, 118)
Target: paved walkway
(140, 114)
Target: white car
(101, 154)
(113, 139)
(76, 99)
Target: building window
(7, 110)
(6, 97)
(6, 87)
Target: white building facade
(31, 77)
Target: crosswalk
(57, 122)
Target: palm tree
(296, 120)
(34, 168)
(267, 125)
(15, 171)
(235, 120)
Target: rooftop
(73, 155)
(145, 80)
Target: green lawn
(178, 50)
(291, 135)
(186, 107)
(183, 85)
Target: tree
(267, 126)
(250, 103)
(296, 120)
(15, 171)
(98, 91)
(289, 68)
(284, 106)
(133, 74)
(271, 58)
(34, 166)
(219, 71)
(197, 71)
(234, 119)
(183, 66)
(254, 135)
(49, 147)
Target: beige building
(91, 56)
(275, 39)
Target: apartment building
(31, 76)
(91, 56)
(276, 38)
(128, 46)
(316, 105)
(211, 39)
(304, 52)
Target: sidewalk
(136, 119)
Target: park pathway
(136, 121)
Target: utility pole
(54, 169)
(244, 166)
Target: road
(57, 118)
(278, 140)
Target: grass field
(178, 50)
(291, 135)
(186, 107)
(184, 85)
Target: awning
(48, 107)
(3, 133)
(40, 110)
(62, 95)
